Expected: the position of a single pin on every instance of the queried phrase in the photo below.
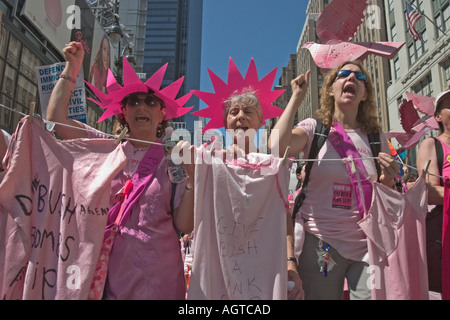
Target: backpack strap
(320, 137)
(439, 156)
(375, 146)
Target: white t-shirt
(336, 225)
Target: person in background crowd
(438, 167)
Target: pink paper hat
(112, 101)
(223, 91)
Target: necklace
(446, 135)
(136, 150)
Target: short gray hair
(247, 97)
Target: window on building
(394, 33)
(397, 67)
(442, 19)
(417, 48)
(446, 15)
(446, 72)
(412, 53)
(391, 5)
(424, 87)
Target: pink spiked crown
(112, 101)
(223, 91)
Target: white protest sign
(47, 77)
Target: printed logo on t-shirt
(342, 196)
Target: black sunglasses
(134, 100)
(345, 73)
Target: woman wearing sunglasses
(335, 247)
(145, 260)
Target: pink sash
(118, 214)
(446, 243)
(345, 147)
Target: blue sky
(267, 30)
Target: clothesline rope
(83, 129)
(161, 144)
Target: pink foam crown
(238, 84)
(132, 84)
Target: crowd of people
(155, 225)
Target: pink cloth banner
(240, 230)
(395, 228)
(55, 199)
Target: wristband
(66, 77)
(292, 259)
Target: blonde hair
(367, 110)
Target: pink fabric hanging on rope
(56, 198)
(395, 229)
(240, 230)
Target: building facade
(23, 47)
(133, 15)
(373, 29)
(422, 66)
(173, 36)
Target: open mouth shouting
(350, 89)
(142, 119)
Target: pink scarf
(141, 180)
(345, 147)
(121, 210)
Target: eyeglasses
(345, 73)
(134, 100)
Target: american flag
(413, 16)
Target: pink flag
(424, 104)
(341, 20)
(331, 55)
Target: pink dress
(145, 261)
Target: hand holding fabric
(389, 168)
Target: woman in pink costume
(427, 152)
(145, 261)
(334, 246)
